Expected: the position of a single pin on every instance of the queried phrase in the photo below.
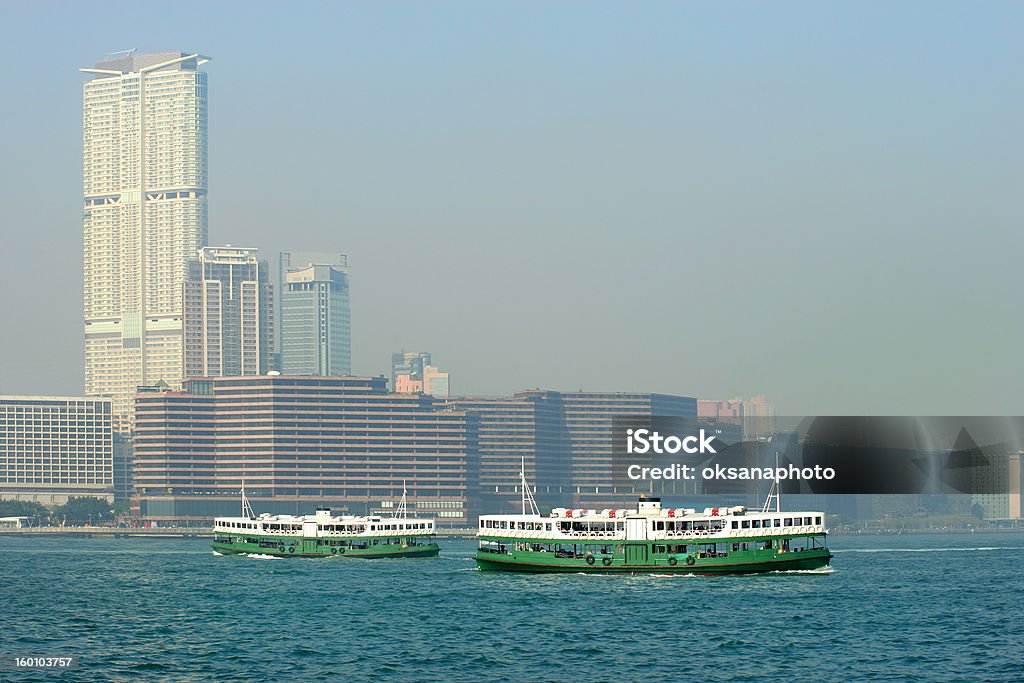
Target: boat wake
(674, 576)
(218, 554)
(822, 570)
(260, 556)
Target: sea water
(912, 607)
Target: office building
(144, 161)
(409, 363)
(54, 447)
(566, 441)
(316, 329)
(299, 442)
(412, 373)
(228, 312)
(513, 433)
(758, 418)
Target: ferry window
(547, 526)
(817, 520)
(756, 524)
(807, 521)
(789, 521)
(746, 524)
(778, 522)
(735, 524)
(620, 526)
(735, 547)
(660, 526)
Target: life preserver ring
(689, 560)
(341, 550)
(606, 561)
(281, 547)
(334, 551)
(590, 559)
(673, 561)
(291, 549)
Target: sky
(820, 202)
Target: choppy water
(914, 607)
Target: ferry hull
(802, 561)
(298, 550)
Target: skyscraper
(315, 322)
(410, 363)
(144, 177)
(228, 310)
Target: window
(746, 524)
(735, 524)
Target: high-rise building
(228, 311)
(409, 363)
(412, 373)
(296, 443)
(758, 418)
(436, 383)
(144, 184)
(54, 447)
(316, 328)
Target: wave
(260, 556)
(821, 570)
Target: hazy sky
(821, 202)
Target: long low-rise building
(55, 447)
(297, 442)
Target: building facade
(590, 442)
(228, 314)
(316, 329)
(519, 434)
(144, 161)
(54, 447)
(297, 442)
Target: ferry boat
(653, 539)
(324, 535)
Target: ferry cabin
(715, 540)
(323, 534)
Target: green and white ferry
(325, 535)
(653, 539)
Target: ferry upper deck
(652, 522)
(324, 524)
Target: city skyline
(739, 185)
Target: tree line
(77, 509)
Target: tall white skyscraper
(144, 171)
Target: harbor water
(918, 607)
